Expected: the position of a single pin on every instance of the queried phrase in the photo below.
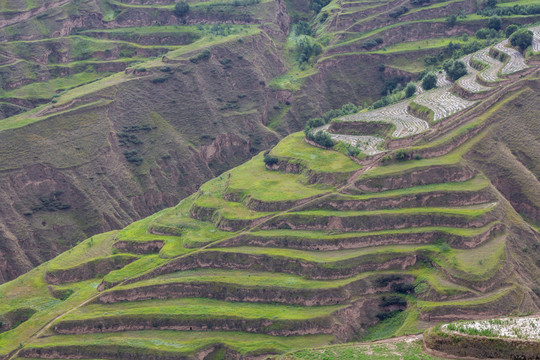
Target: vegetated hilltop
(307, 245)
(113, 110)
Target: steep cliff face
(106, 159)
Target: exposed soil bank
(92, 269)
(354, 242)
(480, 347)
(233, 292)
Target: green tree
(429, 81)
(495, 22)
(510, 29)
(455, 69)
(181, 8)
(317, 5)
(410, 89)
(522, 38)
(451, 20)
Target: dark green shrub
(133, 157)
(160, 80)
(455, 69)
(522, 38)
(320, 138)
(495, 23)
(393, 300)
(398, 12)
(181, 8)
(510, 29)
(302, 28)
(410, 89)
(270, 160)
(203, 55)
(401, 155)
(429, 81)
(451, 20)
(317, 5)
(305, 49)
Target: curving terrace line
(442, 102)
(468, 82)
(516, 62)
(367, 144)
(490, 74)
(406, 124)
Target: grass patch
(201, 308)
(320, 160)
(188, 342)
(253, 179)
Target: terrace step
(257, 287)
(417, 176)
(323, 269)
(348, 221)
(324, 241)
(164, 345)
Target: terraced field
(405, 124)
(536, 38)
(516, 60)
(442, 102)
(433, 105)
(267, 259)
(298, 247)
(514, 337)
(469, 82)
(490, 74)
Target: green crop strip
(330, 256)
(301, 234)
(472, 211)
(187, 342)
(248, 279)
(201, 308)
(479, 182)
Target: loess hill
(112, 110)
(304, 246)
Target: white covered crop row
(527, 328)
(536, 39)
(369, 145)
(490, 73)
(468, 82)
(442, 102)
(516, 62)
(406, 124)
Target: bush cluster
(320, 138)
(181, 8)
(346, 109)
(455, 69)
(51, 203)
(369, 44)
(270, 160)
(398, 12)
(305, 49)
(429, 81)
(317, 5)
(522, 38)
(510, 10)
(133, 157)
(203, 55)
